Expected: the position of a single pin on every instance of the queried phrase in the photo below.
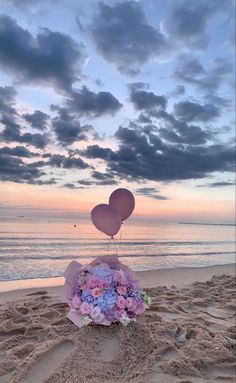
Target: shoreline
(179, 277)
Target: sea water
(39, 248)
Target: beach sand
(187, 335)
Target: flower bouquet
(103, 292)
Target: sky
(97, 95)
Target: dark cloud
(99, 83)
(143, 100)
(7, 99)
(218, 184)
(144, 156)
(15, 170)
(188, 21)
(175, 131)
(18, 151)
(138, 86)
(90, 104)
(96, 151)
(71, 186)
(188, 70)
(151, 192)
(68, 128)
(178, 91)
(60, 161)
(208, 82)
(37, 119)
(144, 119)
(123, 36)
(12, 133)
(101, 176)
(85, 182)
(190, 111)
(49, 58)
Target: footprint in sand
(49, 362)
(109, 348)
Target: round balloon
(106, 219)
(123, 201)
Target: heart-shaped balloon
(123, 201)
(106, 219)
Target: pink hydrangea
(76, 301)
(138, 307)
(83, 285)
(129, 302)
(119, 277)
(85, 308)
(121, 302)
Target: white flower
(96, 313)
(86, 320)
(149, 300)
(125, 320)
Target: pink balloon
(123, 201)
(106, 219)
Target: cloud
(15, 170)
(7, 99)
(37, 120)
(123, 36)
(143, 100)
(208, 82)
(96, 151)
(218, 184)
(189, 20)
(151, 192)
(12, 133)
(71, 186)
(68, 129)
(144, 156)
(90, 104)
(18, 151)
(60, 161)
(49, 58)
(101, 176)
(190, 111)
(178, 91)
(175, 131)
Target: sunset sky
(96, 95)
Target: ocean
(38, 248)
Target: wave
(52, 242)
(64, 257)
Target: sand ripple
(188, 336)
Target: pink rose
(129, 302)
(104, 284)
(96, 292)
(85, 308)
(93, 281)
(121, 290)
(76, 301)
(120, 302)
